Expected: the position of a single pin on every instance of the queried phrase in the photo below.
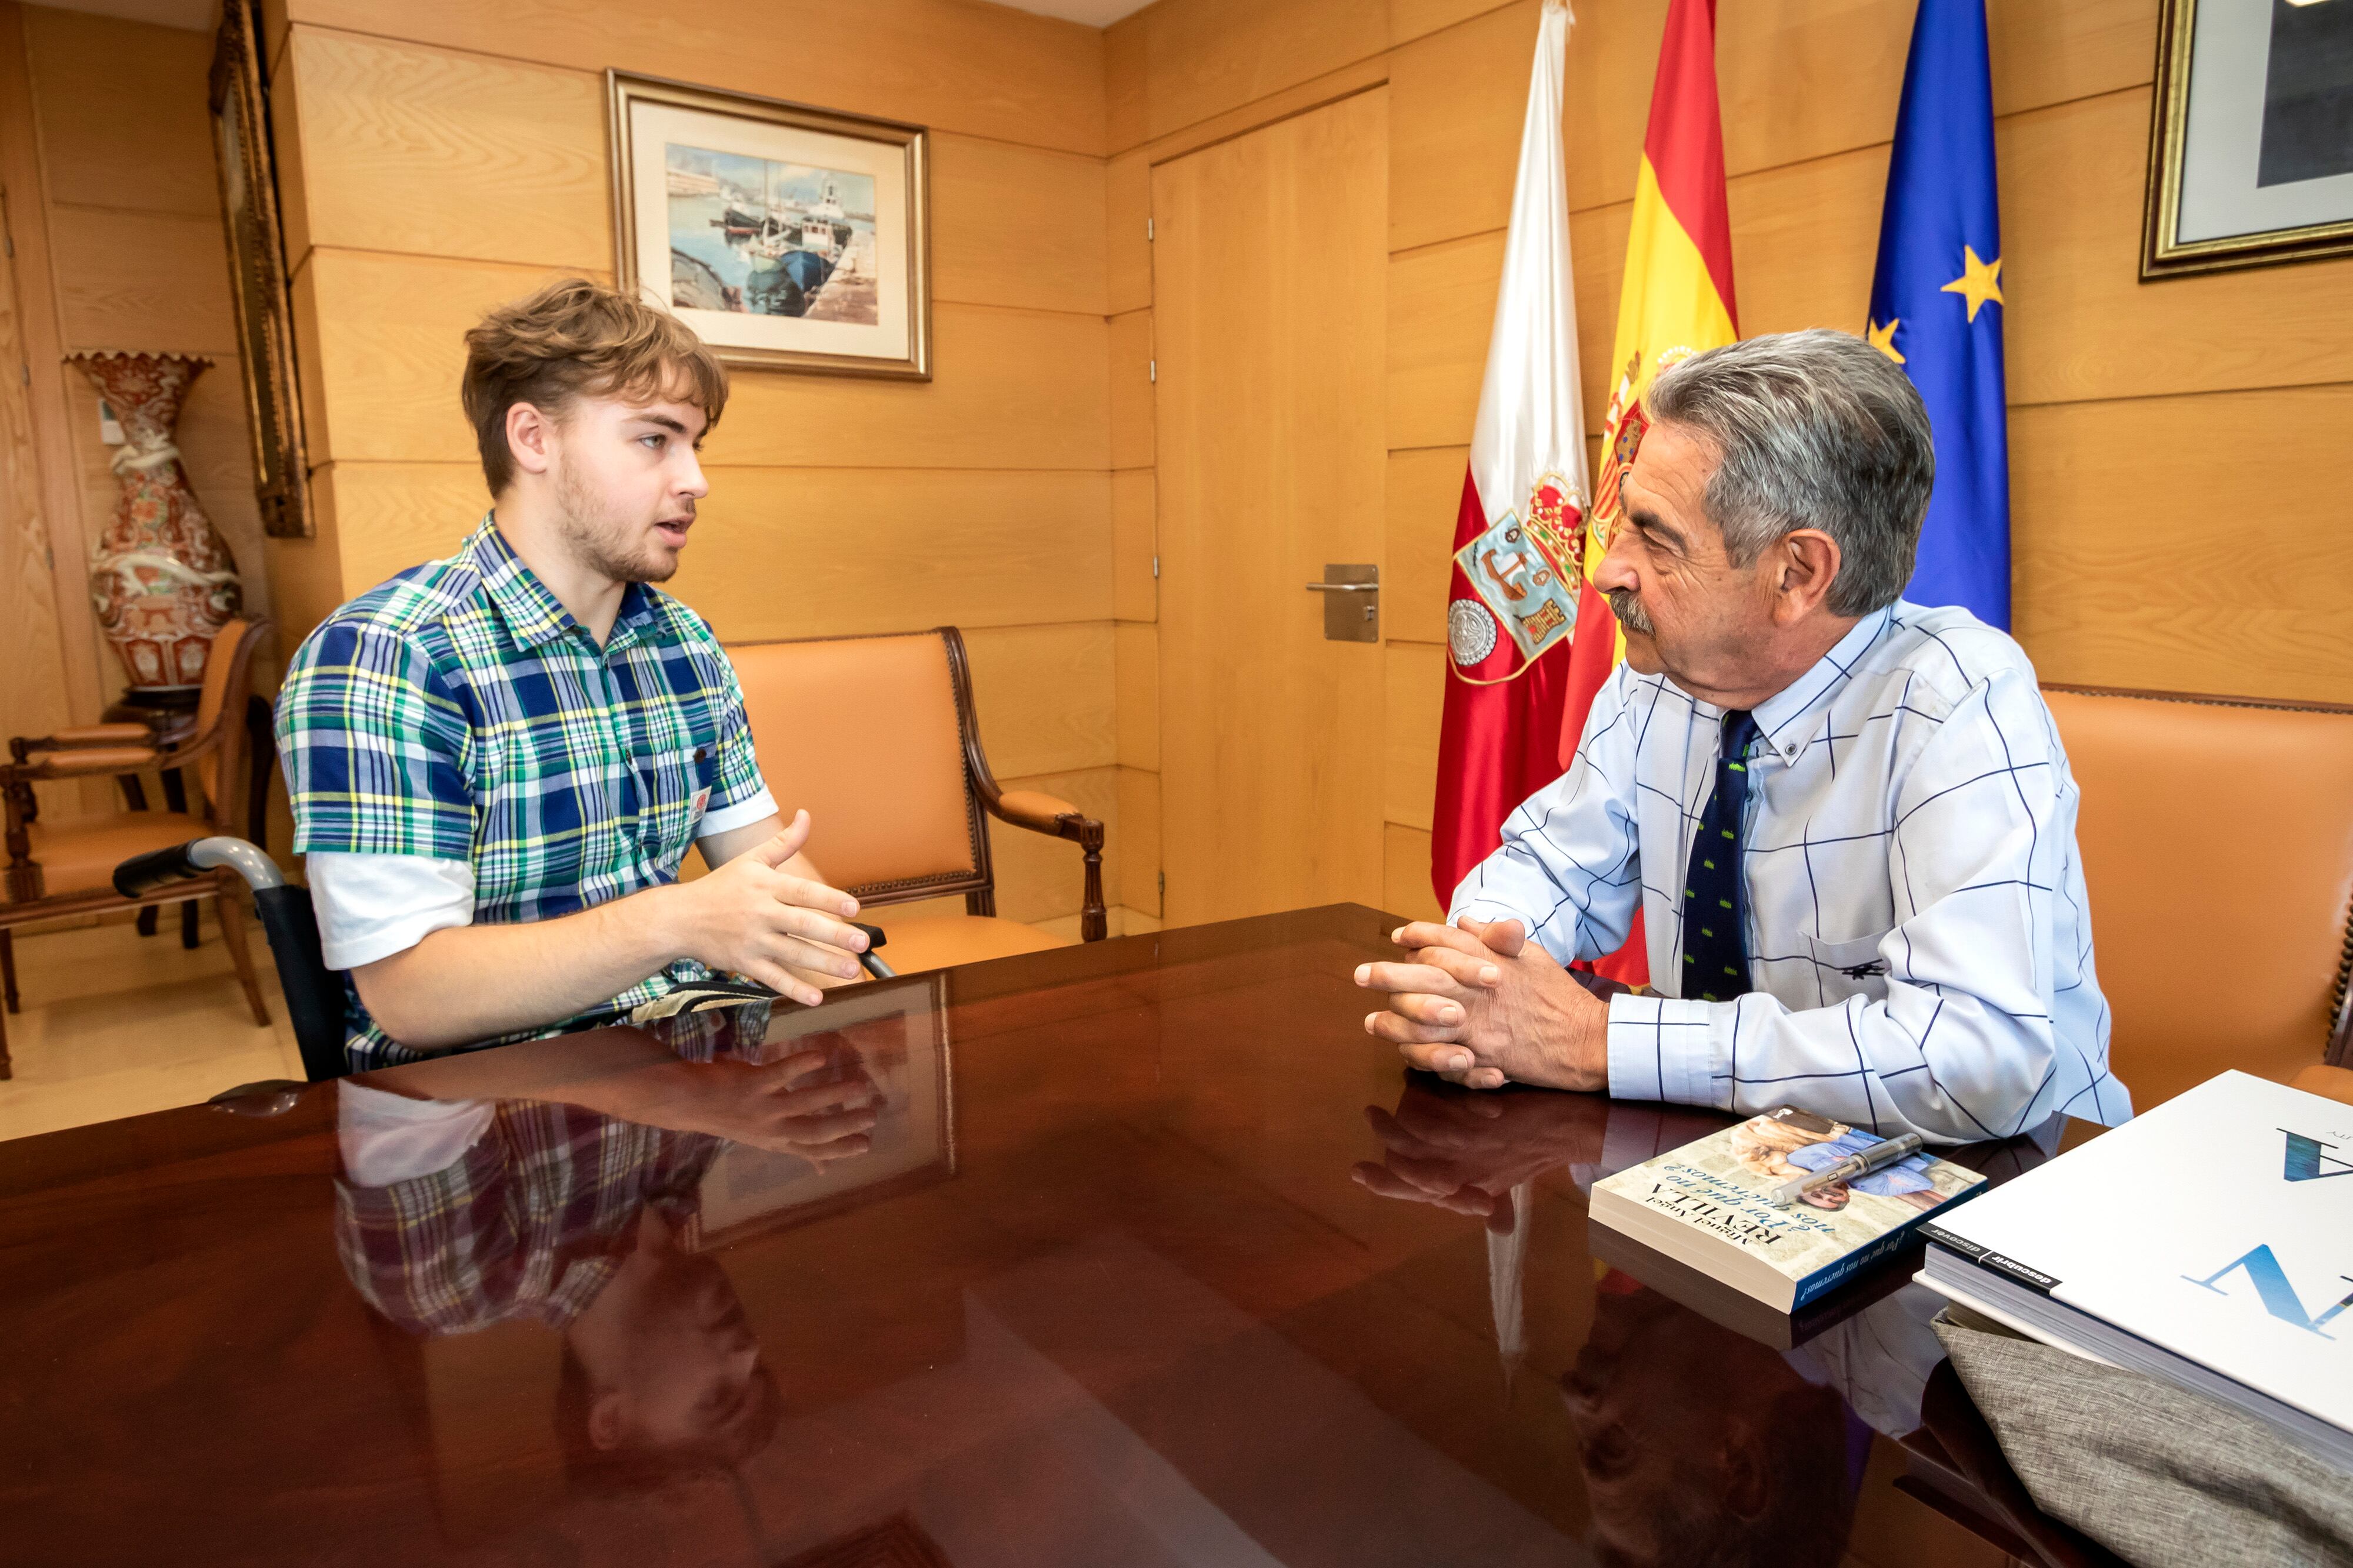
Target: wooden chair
(69, 870)
(2217, 835)
(877, 738)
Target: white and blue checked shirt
(1919, 941)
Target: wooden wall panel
(439, 153)
(1131, 390)
(1425, 493)
(1411, 19)
(123, 116)
(1127, 252)
(1441, 309)
(2082, 325)
(787, 552)
(140, 281)
(1014, 388)
(1417, 694)
(1017, 225)
(986, 70)
(1203, 57)
(1046, 697)
(1135, 591)
(2134, 566)
(1139, 696)
(2044, 53)
(1454, 150)
(1405, 873)
(1139, 820)
(1810, 232)
(1125, 87)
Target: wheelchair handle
(143, 874)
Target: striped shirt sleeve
(376, 746)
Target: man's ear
(530, 438)
(1743, 1467)
(605, 1424)
(1807, 564)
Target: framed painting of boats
(788, 237)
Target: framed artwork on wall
(788, 237)
(2251, 144)
(257, 265)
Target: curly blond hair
(575, 339)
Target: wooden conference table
(1117, 1278)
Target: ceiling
(1093, 13)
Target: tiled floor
(115, 1023)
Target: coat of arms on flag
(1525, 577)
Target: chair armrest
(1035, 810)
(91, 762)
(87, 735)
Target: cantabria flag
(1675, 301)
(1518, 532)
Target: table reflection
(588, 1201)
(1697, 1442)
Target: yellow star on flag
(1978, 282)
(1884, 338)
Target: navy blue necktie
(1715, 952)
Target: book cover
(1708, 1205)
(2217, 1226)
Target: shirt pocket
(1852, 968)
(674, 788)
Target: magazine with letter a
(1709, 1205)
(2209, 1241)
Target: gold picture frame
(256, 264)
(2213, 102)
(789, 238)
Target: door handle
(1352, 601)
(1342, 587)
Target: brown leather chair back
(220, 702)
(2218, 848)
(868, 734)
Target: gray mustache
(1626, 606)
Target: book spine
(1984, 1258)
(1825, 1280)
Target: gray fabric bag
(2158, 1475)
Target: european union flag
(1935, 304)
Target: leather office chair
(877, 738)
(2218, 848)
(67, 870)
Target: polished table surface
(1149, 1256)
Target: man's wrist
(658, 925)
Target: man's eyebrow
(664, 420)
(1651, 523)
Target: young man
(496, 762)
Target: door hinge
(1156, 566)
(1164, 884)
(1148, 230)
(1152, 371)
(25, 370)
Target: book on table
(2208, 1241)
(1709, 1206)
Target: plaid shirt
(531, 1223)
(459, 713)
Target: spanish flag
(1676, 300)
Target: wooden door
(1270, 271)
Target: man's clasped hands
(1480, 1005)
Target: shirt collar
(1793, 716)
(533, 614)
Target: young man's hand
(755, 918)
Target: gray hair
(1813, 429)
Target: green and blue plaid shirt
(459, 713)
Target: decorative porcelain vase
(163, 580)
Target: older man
(1848, 819)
